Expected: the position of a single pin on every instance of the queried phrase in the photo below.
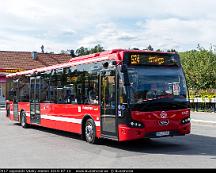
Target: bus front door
(108, 103)
(35, 83)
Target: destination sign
(153, 59)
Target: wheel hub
(89, 132)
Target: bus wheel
(90, 131)
(23, 119)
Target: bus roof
(115, 54)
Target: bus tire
(90, 131)
(23, 119)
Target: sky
(26, 25)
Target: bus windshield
(153, 86)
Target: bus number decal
(135, 59)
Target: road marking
(204, 122)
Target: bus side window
(52, 87)
(45, 87)
(10, 90)
(93, 96)
(24, 89)
(70, 86)
(122, 92)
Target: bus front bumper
(127, 133)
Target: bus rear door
(108, 103)
(15, 100)
(35, 83)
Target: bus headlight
(185, 121)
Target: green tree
(86, 51)
(150, 48)
(200, 68)
(82, 51)
(96, 49)
(135, 48)
(171, 50)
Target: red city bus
(119, 95)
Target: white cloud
(162, 33)
(66, 24)
(183, 33)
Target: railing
(2, 105)
(203, 105)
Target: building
(11, 62)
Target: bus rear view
(156, 96)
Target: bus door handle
(108, 116)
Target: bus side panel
(21, 106)
(60, 125)
(67, 117)
(94, 112)
(11, 116)
(25, 106)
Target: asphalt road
(44, 148)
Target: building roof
(24, 60)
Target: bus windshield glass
(157, 86)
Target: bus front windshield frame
(157, 88)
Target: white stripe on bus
(64, 119)
(55, 118)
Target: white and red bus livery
(120, 95)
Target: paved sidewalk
(203, 118)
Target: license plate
(160, 134)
